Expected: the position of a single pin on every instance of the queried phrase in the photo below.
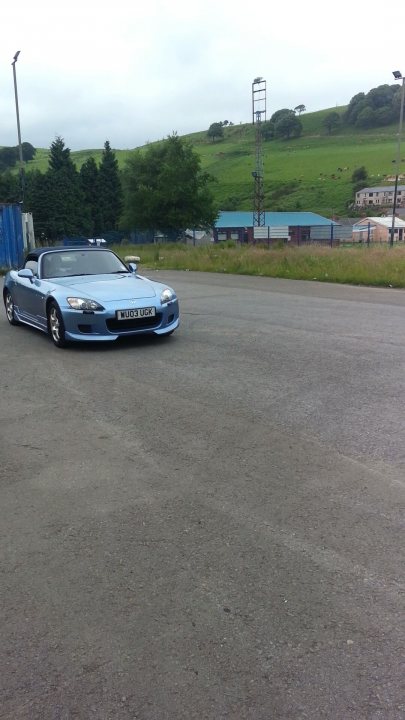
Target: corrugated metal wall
(11, 236)
(323, 232)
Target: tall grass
(375, 266)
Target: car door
(30, 294)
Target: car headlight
(166, 296)
(82, 304)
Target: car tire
(9, 306)
(56, 326)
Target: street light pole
(22, 178)
(398, 76)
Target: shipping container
(11, 236)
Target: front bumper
(101, 326)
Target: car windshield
(83, 262)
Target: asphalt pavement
(210, 525)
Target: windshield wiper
(60, 277)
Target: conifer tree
(68, 214)
(89, 180)
(9, 188)
(39, 201)
(110, 196)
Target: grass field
(375, 266)
(299, 174)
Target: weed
(374, 266)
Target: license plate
(134, 313)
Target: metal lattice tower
(258, 116)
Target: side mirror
(26, 273)
(131, 261)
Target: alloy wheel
(54, 325)
(9, 308)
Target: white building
(383, 195)
(378, 229)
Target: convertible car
(87, 294)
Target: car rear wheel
(9, 305)
(56, 326)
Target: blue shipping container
(11, 236)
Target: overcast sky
(133, 72)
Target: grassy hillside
(299, 174)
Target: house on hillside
(380, 196)
(378, 229)
(297, 228)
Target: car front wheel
(56, 326)
(9, 305)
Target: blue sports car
(87, 294)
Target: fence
(274, 235)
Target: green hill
(310, 173)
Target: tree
(380, 96)
(366, 118)
(10, 189)
(359, 175)
(331, 121)
(282, 124)
(279, 114)
(8, 157)
(59, 158)
(89, 181)
(378, 107)
(40, 201)
(300, 109)
(166, 189)
(28, 151)
(63, 198)
(110, 200)
(268, 130)
(352, 110)
(384, 115)
(359, 178)
(215, 131)
(288, 126)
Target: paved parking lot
(211, 525)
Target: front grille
(134, 323)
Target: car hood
(106, 288)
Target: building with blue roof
(295, 227)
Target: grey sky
(135, 72)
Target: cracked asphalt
(211, 525)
